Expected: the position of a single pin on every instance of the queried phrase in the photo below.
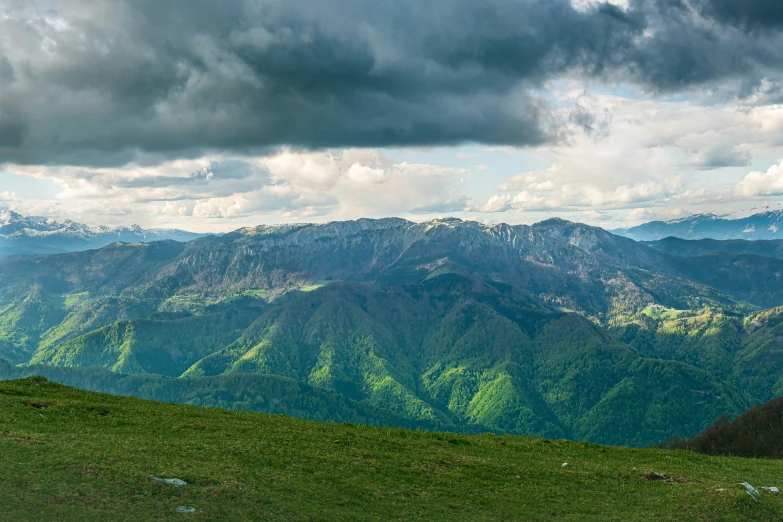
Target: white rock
(184, 509)
(719, 490)
(753, 492)
(177, 483)
(771, 489)
(565, 465)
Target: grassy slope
(76, 455)
(248, 392)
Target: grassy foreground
(67, 454)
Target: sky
(212, 115)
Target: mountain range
(557, 329)
(40, 235)
(763, 225)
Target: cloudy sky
(210, 115)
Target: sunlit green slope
(67, 454)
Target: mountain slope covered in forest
(557, 329)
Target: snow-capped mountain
(41, 235)
(765, 225)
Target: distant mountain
(766, 225)
(41, 235)
(566, 265)
(694, 248)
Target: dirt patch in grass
(38, 405)
(22, 438)
(101, 412)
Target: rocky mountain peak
(9, 216)
(43, 235)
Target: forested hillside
(559, 329)
(747, 352)
(757, 433)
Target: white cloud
(366, 175)
(496, 203)
(653, 138)
(221, 207)
(769, 183)
(338, 184)
(658, 160)
(174, 208)
(526, 200)
(646, 214)
(551, 190)
(537, 180)
(586, 5)
(315, 170)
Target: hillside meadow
(77, 455)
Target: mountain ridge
(452, 323)
(762, 225)
(41, 235)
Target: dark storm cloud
(721, 155)
(174, 181)
(6, 71)
(232, 175)
(593, 124)
(750, 14)
(102, 82)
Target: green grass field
(258, 293)
(316, 285)
(74, 300)
(660, 313)
(67, 454)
